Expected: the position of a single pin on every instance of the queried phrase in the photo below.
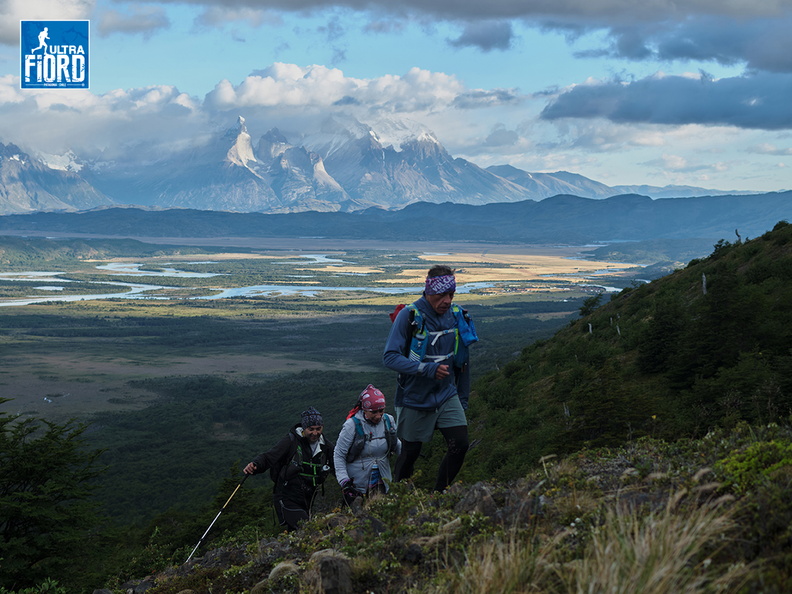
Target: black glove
(349, 492)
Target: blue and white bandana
(435, 285)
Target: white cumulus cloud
(322, 87)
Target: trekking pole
(217, 516)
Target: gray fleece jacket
(375, 451)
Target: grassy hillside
(707, 346)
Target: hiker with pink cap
(365, 444)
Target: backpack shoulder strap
(415, 313)
(390, 435)
(416, 349)
(358, 425)
(358, 441)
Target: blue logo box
(54, 54)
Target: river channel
(145, 291)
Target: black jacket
(294, 471)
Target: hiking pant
(457, 443)
(289, 513)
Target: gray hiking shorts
(419, 425)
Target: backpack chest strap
(438, 358)
(440, 333)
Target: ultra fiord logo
(54, 54)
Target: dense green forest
(18, 253)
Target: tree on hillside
(590, 304)
(46, 516)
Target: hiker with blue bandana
(298, 464)
(428, 347)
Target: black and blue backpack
(360, 439)
(464, 330)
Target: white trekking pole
(217, 516)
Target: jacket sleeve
(345, 438)
(397, 346)
(273, 456)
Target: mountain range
(343, 165)
(561, 219)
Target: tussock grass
(630, 550)
(666, 551)
(506, 565)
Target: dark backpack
(359, 441)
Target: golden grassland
(480, 262)
(501, 263)
(550, 264)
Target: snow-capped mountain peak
(333, 134)
(272, 144)
(28, 184)
(65, 162)
(396, 132)
(241, 152)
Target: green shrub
(759, 461)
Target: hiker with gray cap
(298, 464)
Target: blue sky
(658, 92)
